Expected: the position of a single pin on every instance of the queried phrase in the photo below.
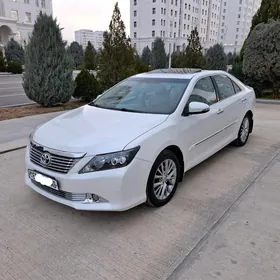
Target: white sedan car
(134, 143)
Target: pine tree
(90, 57)
(76, 52)
(48, 73)
(216, 58)
(193, 54)
(146, 56)
(116, 59)
(269, 9)
(14, 52)
(159, 58)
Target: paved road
(11, 91)
(40, 239)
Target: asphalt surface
(11, 91)
(223, 223)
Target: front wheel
(163, 179)
(244, 132)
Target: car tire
(163, 179)
(244, 132)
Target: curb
(17, 105)
(268, 101)
(13, 146)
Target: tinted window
(225, 86)
(204, 91)
(236, 87)
(144, 95)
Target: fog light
(95, 197)
(91, 198)
(88, 198)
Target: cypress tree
(116, 60)
(48, 73)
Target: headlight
(110, 161)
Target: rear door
(232, 104)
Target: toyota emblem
(46, 159)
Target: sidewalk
(14, 133)
(246, 243)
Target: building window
(185, 16)
(135, 35)
(171, 12)
(174, 34)
(153, 33)
(175, 13)
(175, 24)
(43, 3)
(135, 13)
(37, 3)
(26, 2)
(135, 2)
(27, 17)
(135, 46)
(135, 24)
(163, 33)
(154, 11)
(14, 14)
(153, 22)
(154, 1)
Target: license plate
(43, 179)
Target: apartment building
(173, 20)
(17, 18)
(84, 36)
(235, 22)
(218, 21)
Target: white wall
(21, 28)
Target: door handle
(220, 111)
(244, 99)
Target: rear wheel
(244, 132)
(163, 179)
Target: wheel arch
(177, 151)
(250, 114)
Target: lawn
(35, 109)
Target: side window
(225, 86)
(236, 87)
(204, 91)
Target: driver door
(200, 132)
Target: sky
(87, 14)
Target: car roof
(178, 73)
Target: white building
(17, 18)
(235, 22)
(83, 36)
(173, 20)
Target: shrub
(87, 86)
(3, 67)
(14, 67)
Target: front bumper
(119, 189)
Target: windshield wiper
(130, 110)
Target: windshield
(144, 95)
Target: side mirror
(196, 108)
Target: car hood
(94, 130)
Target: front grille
(57, 163)
(62, 194)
